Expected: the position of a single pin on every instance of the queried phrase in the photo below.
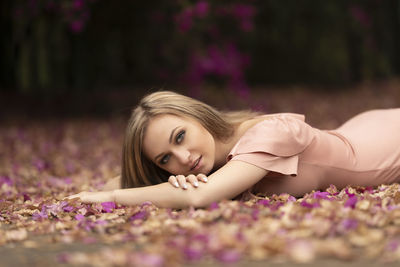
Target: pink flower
(79, 217)
(321, 195)
(360, 16)
(76, 26)
(185, 20)
(228, 256)
(201, 9)
(146, 259)
(38, 216)
(108, 206)
(264, 202)
(138, 216)
(242, 11)
(306, 204)
(349, 224)
(193, 254)
(351, 202)
(78, 4)
(214, 206)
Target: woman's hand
(181, 180)
(94, 197)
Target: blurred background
(95, 56)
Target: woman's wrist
(114, 195)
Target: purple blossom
(360, 16)
(201, 237)
(145, 204)
(263, 202)
(68, 208)
(351, 202)
(38, 216)
(246, 25)
(254, 214)
(5, 180)
(306, 204)
(26, 197)
(243, 11)
(79, 217)
(78, 4)
(185, 20)
(108, 206)
(76, 26)
(146, 259)
(192, 254)
(349, 224)
(63, 257)
(275, 206)
(321, 195)
(201, 9)
(228, 256)
(393, 245)
(40, 164)
(213, 206)
(141, 215)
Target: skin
(178, 156)
(171, 142)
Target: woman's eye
(179, 137)
(164, 160)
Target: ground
(45, 157)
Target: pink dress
(363, 151)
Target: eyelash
(178, 139)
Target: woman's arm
(114, 183)
(227, 182)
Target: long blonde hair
(139, 171)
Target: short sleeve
(275, 143)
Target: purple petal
(351, 202)
(192, 254)
(79, 217)
(151, 260)
(306, 204)
(228, 256)
(264, 202)
(349, 224)
(108, 206)
(138, 216)
(321, 195)
(214, 206)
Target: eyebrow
(170, 140)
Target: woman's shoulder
(279, 133)
(286, 115)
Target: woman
(172, 142)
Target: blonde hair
(139, 171)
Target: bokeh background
(96, 56)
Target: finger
(191, 178)
(182, 181)
(172, 180)
(202, 177)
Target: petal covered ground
(41, 162)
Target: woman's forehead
(158, 132)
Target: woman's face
(179, 145)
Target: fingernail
(176, 184)
(196, 184)
(184, 186)
(205, 179)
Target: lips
(196, 163)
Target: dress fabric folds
(363, 151)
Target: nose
(183, 156)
